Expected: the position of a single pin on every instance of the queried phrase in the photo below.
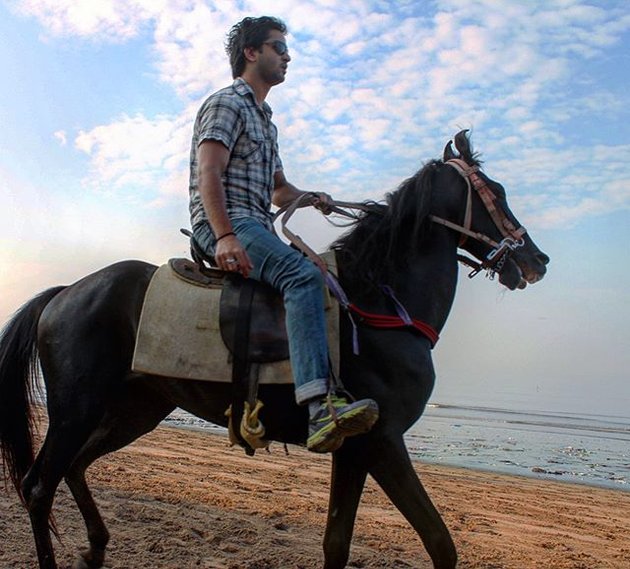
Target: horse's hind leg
(39, 498)
(135, 415)
(348, 479)
(98, 535)
(394, 472)
(39, 486)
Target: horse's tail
(18, 384)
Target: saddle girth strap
(244, 386)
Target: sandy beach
(181, 499)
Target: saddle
(201, 323)
(252, 325)
(252, 320)
(251, 313)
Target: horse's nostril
(544, 259)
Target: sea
(565, 446)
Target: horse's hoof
(83, 563)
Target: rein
(338, 207)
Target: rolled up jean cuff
(313, 389)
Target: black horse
(84, 337)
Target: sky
(98, 100)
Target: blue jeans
(300, 282)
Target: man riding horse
(235, 176)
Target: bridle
(512, 235)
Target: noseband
(512, 236)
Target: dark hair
(249, 32)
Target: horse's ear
(449, 153)
(462, 143)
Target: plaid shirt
(232, 117)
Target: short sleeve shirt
(232, 117)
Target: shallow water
(573, 447)
(590, 449)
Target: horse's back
(100, 312)
(122, 280)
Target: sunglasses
(278, 46)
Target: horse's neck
(427, 288)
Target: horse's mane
(377, 245)
(376, 248)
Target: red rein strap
(390, 322)
(402, 320)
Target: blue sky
(96, 112)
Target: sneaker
(336, 419)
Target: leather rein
(494, 261)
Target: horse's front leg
(348, 479)
(391, 467)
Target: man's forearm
(213, 199)
(285, 194)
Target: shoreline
(542, 474)
(423, 465)
(180, 498)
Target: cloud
(188, 44)
(548, 188)
(61, 137)
(103, 20)
(137, 155)
(367, 102)
(568, 215)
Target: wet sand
(182, 499)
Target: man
(235, 176)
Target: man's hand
(285, 192)
(231, 256)
(322, 201)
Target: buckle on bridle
(497, 257)
(508, 244)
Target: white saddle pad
(178, 334)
